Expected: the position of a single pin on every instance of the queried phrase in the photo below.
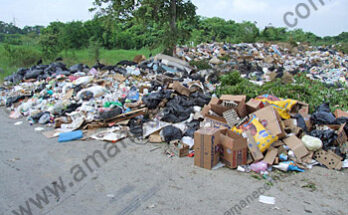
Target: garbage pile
(110, 102)
(267, 133)
(263, 62)
(164, 99)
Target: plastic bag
(312, 143)
(283, 106)
(323, 115)
(326, 136)
(170, 133)
(263, 137)
(106, 115)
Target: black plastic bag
(136, 126)
(106, 115)
(326, 136)
(301, 122)
(323, 115)
(171, 133)
(191, 128)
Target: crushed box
(234, 149)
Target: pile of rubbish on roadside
(263, 62)
(165, 100)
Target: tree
(172, 17)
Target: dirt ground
(139, 180)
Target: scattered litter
(267, 200)
(19, 123)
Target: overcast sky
(330, 19)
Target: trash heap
(263, 62)
(267, 132)
(165, 100)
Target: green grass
(70, 57)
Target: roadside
(138, 181)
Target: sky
(329, 19)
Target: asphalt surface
(136, 180)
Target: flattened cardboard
(271, 155)
(155, 138)
(234, 147)
(272, 121)
(253, 148)
(253, 105)
(278, 143)
(179, 88)
(297, 146)
(340, 113)
(206, 147)
(341, 136)
(329, 159)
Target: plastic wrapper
(283, 106)
(262, 136)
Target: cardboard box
(329, 159)
(297, 146)
(340, 113)
(253, 148)
(206, 147)
(271, 155)
(236, 98)
(240, 100)
(253, 105)
(290, 126)
(271, 120)
(179, 149)
(301, 108)
(341, 136)
(235, 149)
(179, 88)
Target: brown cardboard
(340, 113)
(179, 88)
(179, 149)
(329, 159)
(290, 126)
(253, 105)
(272, 121)
(253, 148)
(206, 147)
(307, 119)
(234, 147)
(278, 143)
(241, 109)
(217, 122)
(220, 109)
(297, 146)
(155, 138)
(236, 98)
(341, 136)
(271, 155)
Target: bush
(21, 56)
(312, 92)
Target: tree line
(129, 24)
